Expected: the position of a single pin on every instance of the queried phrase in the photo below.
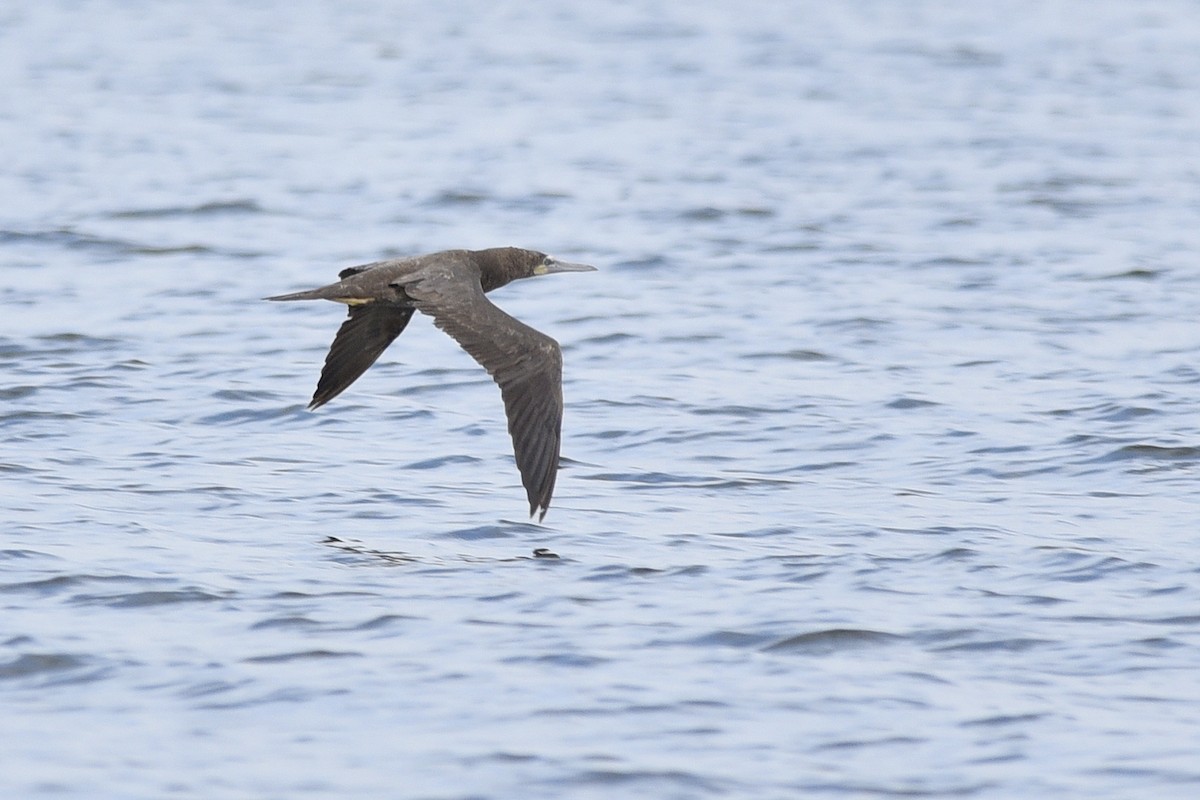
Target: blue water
(883, 411)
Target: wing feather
(525, 363)
(360, 340)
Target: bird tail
(311, 294)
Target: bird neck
(497, 267)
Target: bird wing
(525, 363)
(366, 333)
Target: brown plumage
(450, 287)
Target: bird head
(548, 264)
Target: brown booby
(450, 286)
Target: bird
(451, 287)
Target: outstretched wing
(525, 363)
(366, 333)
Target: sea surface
(882, 437)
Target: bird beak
(562, 266)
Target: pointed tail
(311, 294)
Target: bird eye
(548, 261)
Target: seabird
(450, 286)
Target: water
(881, 436)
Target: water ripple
(879, 412)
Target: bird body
(450, 286)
